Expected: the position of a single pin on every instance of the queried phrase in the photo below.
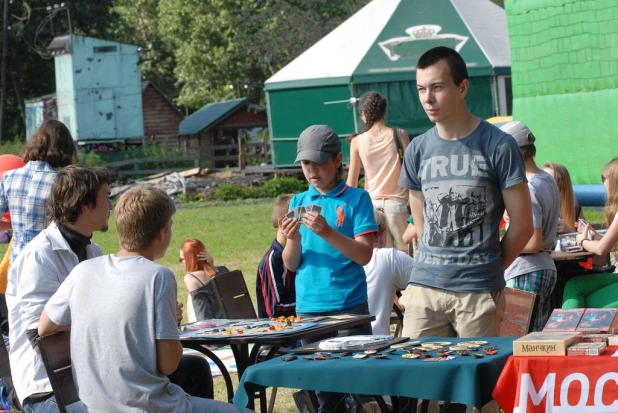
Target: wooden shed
(221, 131)
(161, 117)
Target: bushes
(11, 146)
(284, 185)
(90, 158)
(271, 189)
(228, 192)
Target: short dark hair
(340, 170)
(75, 186)
(528, 151)
(454, 61)
(52, 143)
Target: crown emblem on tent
(420, 39)
(424, 32)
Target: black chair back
(55, 351)
(233, 295)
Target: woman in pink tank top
(376, 150)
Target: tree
(31, 68)
(223, 43)
(137, 23)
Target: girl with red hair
(200, 271)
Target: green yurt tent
(377, 49)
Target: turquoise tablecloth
(464, 380)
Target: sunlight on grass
(237, 236)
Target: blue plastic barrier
(590, 195)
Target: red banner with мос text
(559, 384)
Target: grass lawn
(237, 235)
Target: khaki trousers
(441, 313)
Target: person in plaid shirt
(25, 190)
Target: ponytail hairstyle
(373, 105)
(611, 172)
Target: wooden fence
(138, 162)
(207, 155)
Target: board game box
(544, 343)
(595, 338)
(568, 242)
(564, 319)
(597, 320)
(586, 349)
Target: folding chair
(521, 309)
(397, 320)
(55, 351)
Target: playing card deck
(300, 212)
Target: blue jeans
(211, 406)
(50, 405)
(193, 375)
(327, 401)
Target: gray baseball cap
(520, 132)
(317, 144)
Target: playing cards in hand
(300, 212)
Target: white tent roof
(339, 53)
(487, 23)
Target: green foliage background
(196, 51)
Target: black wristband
(581, 244)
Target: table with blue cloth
(464, 379)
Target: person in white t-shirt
(388, 271)
(122, 312)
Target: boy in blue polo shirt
(329, 249)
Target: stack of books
(573, 332)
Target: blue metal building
(98, 88)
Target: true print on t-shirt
(456, 199)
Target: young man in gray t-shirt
(534, 270)
(123, 317)
(462, 174)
